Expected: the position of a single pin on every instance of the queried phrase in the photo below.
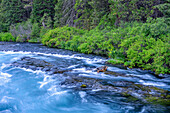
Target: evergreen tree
(46, 21)
(164, 7)
(42, 6)
(68, 13)
(90, 12)
(12, 12)
(58, 13)
(135, 10)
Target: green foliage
(21, 39)
(144, 45)
(59, 37)
(21, 31)
(40, 7)
(35, 34)
(46, 21)
(128, 31)
(6, 37)
(58, 14)
(90, 12)
(43, 31)
(135, 10)
(164, 8)
(148, 46)
(11, 12)
(155, 27)
(115, 61)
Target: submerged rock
(37, 64)
(130, 90)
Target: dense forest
(135, 33)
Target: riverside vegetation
(120, 30)
(144, 45)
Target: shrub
(7, 37)
(59, 37)
(35, 33)
(155, 27)
(148, 46)
(21, 39)
(21, 31)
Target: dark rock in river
(129, 90)
(37, 64)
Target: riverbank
(135, 45)
(131, 45)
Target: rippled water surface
(26, 91)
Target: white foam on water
(95, 90)
(65, 86)
(144, 76)
(59, 93)
(73, 66)
(4, 66)
(53, 88)
(16, 58)
(97, 75)
(5, 99)
(143, 110)
(47, 79)
(16, 52)
(84, 70)
(80, 69)
(88, 60)
(5, 111)
(5, 75)
(152, 83)
(82, 95)
(32, 71)
(95, 60)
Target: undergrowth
(7, 37)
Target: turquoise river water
(27, 91)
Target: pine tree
(90, 12)
(46, 21)
(12, 12)
(58, 13)
(164, 7)
(42, 6)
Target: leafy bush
(7, 37)
(148, 46)
(21, 31)
(155, 27)
(43, 31)
(21, 39)
(35, 33)
(59, 37)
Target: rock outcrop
(130, 90)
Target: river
(35, 91)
